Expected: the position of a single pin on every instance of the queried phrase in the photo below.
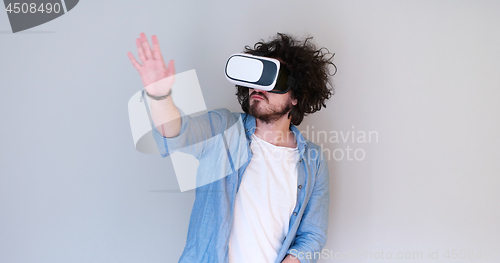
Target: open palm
(153, 68)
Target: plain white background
(422, 74)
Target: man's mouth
(255, 96)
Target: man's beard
(268, 117)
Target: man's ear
(294, 102)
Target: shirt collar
(250, 126)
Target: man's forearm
(166, 117)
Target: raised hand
(153, 68)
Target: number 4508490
(32, 8)
(470, 254)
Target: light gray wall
(423, 75)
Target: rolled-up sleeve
(311, 234)
(194, 134)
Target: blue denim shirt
(212, 214)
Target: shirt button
(300, 186)
(294, 213)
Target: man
(269, 209)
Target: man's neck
(277, 133)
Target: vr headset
(258, 72)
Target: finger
(171, 68)
(146, 47)
(140, 51)
(134, 62)
(156, 49)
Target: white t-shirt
(264, 203)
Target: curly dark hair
(309, 66)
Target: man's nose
(260, 91)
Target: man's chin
(256, 111)
(264, 116)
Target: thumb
(171, 68)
